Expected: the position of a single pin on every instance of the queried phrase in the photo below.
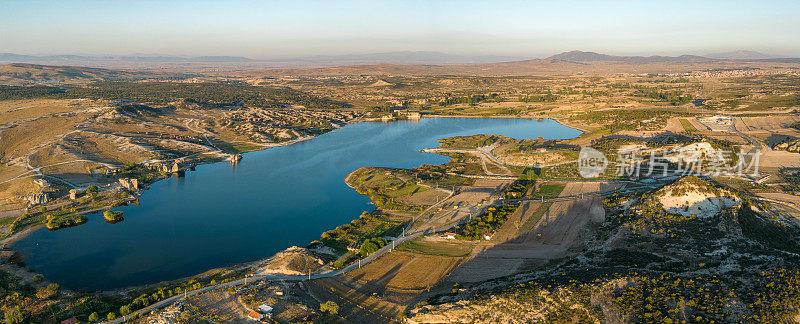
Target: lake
(222, 215)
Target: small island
(113, 216)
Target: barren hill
(23, 73)
(580, 56)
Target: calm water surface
(221, 215)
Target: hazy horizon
(275, 30)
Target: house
(265, 309)
(256, 316)
(488, 236)
(541, 150)
(413, 115)
(71, 320)
(449, 235)
(355, 247)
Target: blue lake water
(222, 215)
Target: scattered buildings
(256, 316)
(717, 123)
(41, 182)
(73, 193)
(129, 183)
(71, 320)
(265, 309)
(37, 198)
(234, 158)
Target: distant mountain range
(122, 58)
(405, 57)
(401, 57)
(580, 56)
(739, 55)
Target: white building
(265, 309)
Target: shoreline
(7, 242)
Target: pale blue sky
(262, 29)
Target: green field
(548, 191)
(445, 249)
(687, 126)
(534, 219)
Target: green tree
(329, 307)
(91, 189)
(124, 310)
(368, 248)
(111, 316)
(94, 317)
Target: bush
(91, 189)
(94, 317)
(111, 316)
(47, 292)
(329, 307)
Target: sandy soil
(766, 123)
(222, 306)
(778, 159)
(555, 233)
(465, 203)
(292, 261)
(404, 271)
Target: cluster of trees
(28, 92)
(519, 188)
(35, 302)
(429, 172)
(471, 100)
(342, 236)
(546, 97)
(488, 221)
(371, 245)
(771, 296)
(676, 98)
(167, 92)
(633, 119)
(113, 216)
(472, 141)
(57, 222)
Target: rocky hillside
(690, 251)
